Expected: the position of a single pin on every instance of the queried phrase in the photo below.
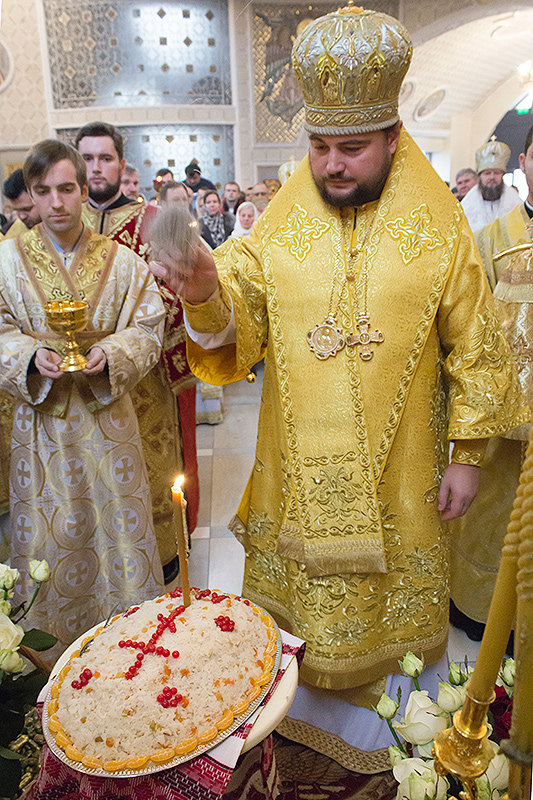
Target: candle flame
(178, 483)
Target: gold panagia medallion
(325, 339)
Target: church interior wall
(239, 112)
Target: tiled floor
(225, 459)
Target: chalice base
(73, 360)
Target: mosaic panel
(152, 147)
(278, 101)
(138, 52)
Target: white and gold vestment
(79, 492)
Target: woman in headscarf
(246, 215)
(216, 226)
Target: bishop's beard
(491, 193)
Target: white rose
(10, 634)
(451, 698)
(506, 676)
(386, 708)
(5, 607)
(422, 720)
(411, 666)
(8, 576)
(39, 570)
(10, 661)
(418, 780)
(498, 771)
(424, 750)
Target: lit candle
(180, 504)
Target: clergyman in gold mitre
(341, 518)
(350, 65)
(492, 155)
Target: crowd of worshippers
(231, 212)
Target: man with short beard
(362, 285)
(169, 439)
(491, 198)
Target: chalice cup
(67, 317)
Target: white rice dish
(177, 678)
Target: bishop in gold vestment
(79, 491)
(477, 538)
(343, 538)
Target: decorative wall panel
(151, 147)
(138, 52)
(278, 101)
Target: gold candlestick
(463, 749)
(180, 505)
(67, 317)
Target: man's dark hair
(191, 168)
(130, 169)
(102, 129)
(45, 154)
(170, 185)
(163, 171)
(529, 139)
(14, 185)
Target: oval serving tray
(152, 768)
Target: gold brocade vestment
(477, 538)
(79, 491)
(339, 519)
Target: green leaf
(10, 776)
(32, 685)
(38, 640)
(9, 754)
(12, 725)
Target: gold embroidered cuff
(212, 316)
(469, 451)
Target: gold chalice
(67, 317)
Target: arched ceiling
(462, 67)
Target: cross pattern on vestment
(415, 233)
(77, 575)
(70, 424)
(24, 529)
(78, 621)
(72, 472)
(73, 521)
(298, 232)
(125, 521)
(24, 419)
(125, 470)
(126, 569)
(119, 417)
(364, 339)
(23, 474)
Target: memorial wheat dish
(160, 680)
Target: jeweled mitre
(350, 65)
(492, 155)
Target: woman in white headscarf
(245, 217)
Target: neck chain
(326, 339)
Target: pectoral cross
(364, 339)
